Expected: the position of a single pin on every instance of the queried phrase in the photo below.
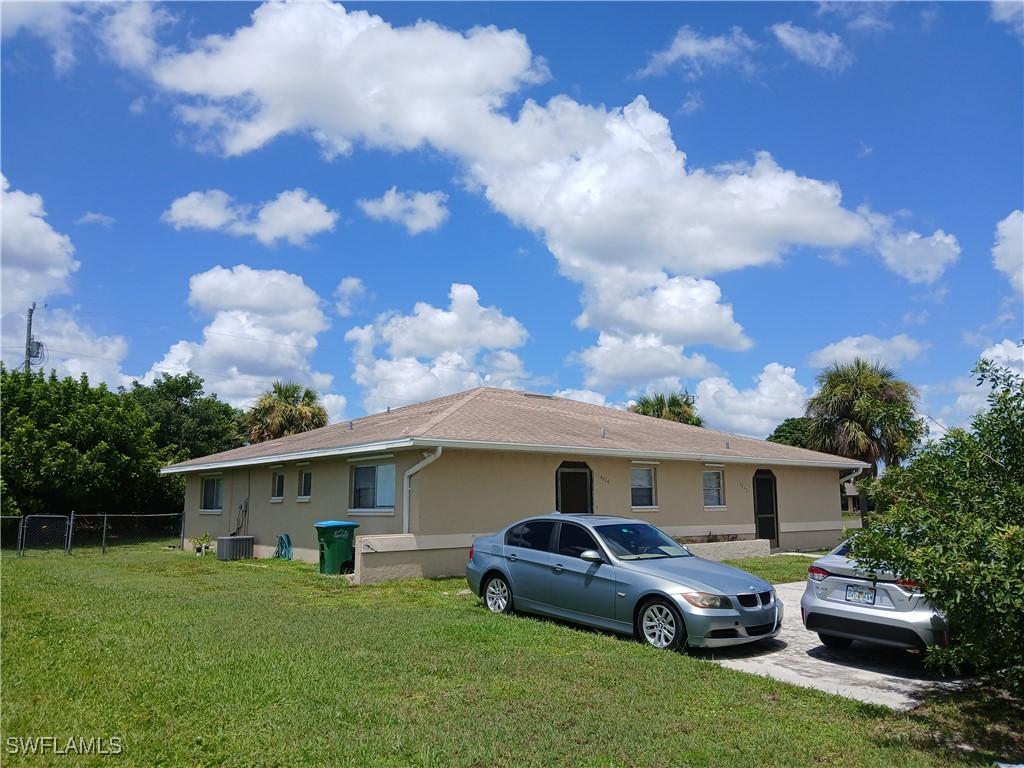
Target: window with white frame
(641, 481)
(373, 487)
(277, 486)
(305, 484)
(714, 488)
(211, 497)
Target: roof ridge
(472, 394)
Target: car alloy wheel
(497, 595)
(660, 626)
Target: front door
(766, 512)
(573, 494)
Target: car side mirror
(591, 556)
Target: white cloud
(363, 79)
(824, 50)
(915, 257)
(1008, 251)
(1006, 353)
(640, 361)
(583, 396)
(757, 411)
(91, 217)
(294, 215)
(680, 310)
(348, 293)
(53, 22)
(859, 16)
(38, 262)
(892, 351)
(416, 211)
(335, 406)
(695, 52)
(607, 189)
(1010, 13)
(915, 317)
(693, 103)
(129, 33)
(434, 351)
(263, 326)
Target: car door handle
(559, 567)
(513, 557)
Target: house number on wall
(604, 479)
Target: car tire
(660, 625)
(497, 594)
(834, 641)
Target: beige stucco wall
(328, 501)
(474, 492)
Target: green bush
(953, 520)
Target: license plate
(864, 595)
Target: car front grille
(747, 601)
(766, 598)
(759, 629)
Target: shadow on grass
(981, 724)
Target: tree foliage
(67, 445)
(863, 411)
(287, 409)
(187, 419)
(953, 520)
(675, 406)
(793, 431)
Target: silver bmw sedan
(622, 575)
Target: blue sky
(591, 199)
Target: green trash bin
(337, 545)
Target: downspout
(407, 483)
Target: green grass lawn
(197, 662)
(777, 569)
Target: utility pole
(28, 337)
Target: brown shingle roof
(515, 420)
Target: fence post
(183, 530)
(69, 534)
(103, 545)
(21, 535)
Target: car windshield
(639, 541)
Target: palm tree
(675, 406)
(862, 411)
(287, 409)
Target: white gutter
(841, 463)
(278, 458)
(407, 483)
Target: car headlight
(707, 600)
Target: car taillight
(814, 573)
(907, 584)
(470, 551)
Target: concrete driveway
(869, 673)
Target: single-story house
(423, 480)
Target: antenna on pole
(34, 350)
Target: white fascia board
(279, 458)
(428, 442)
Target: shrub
(953, 520)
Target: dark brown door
(573, 492)
(766, 511)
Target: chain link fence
(68, 533)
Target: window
(714, 493)
(212, 500)
(305, 484)
(373, 486)
(277, 486)
(534, 534)
(573, 540)
(642, 486)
